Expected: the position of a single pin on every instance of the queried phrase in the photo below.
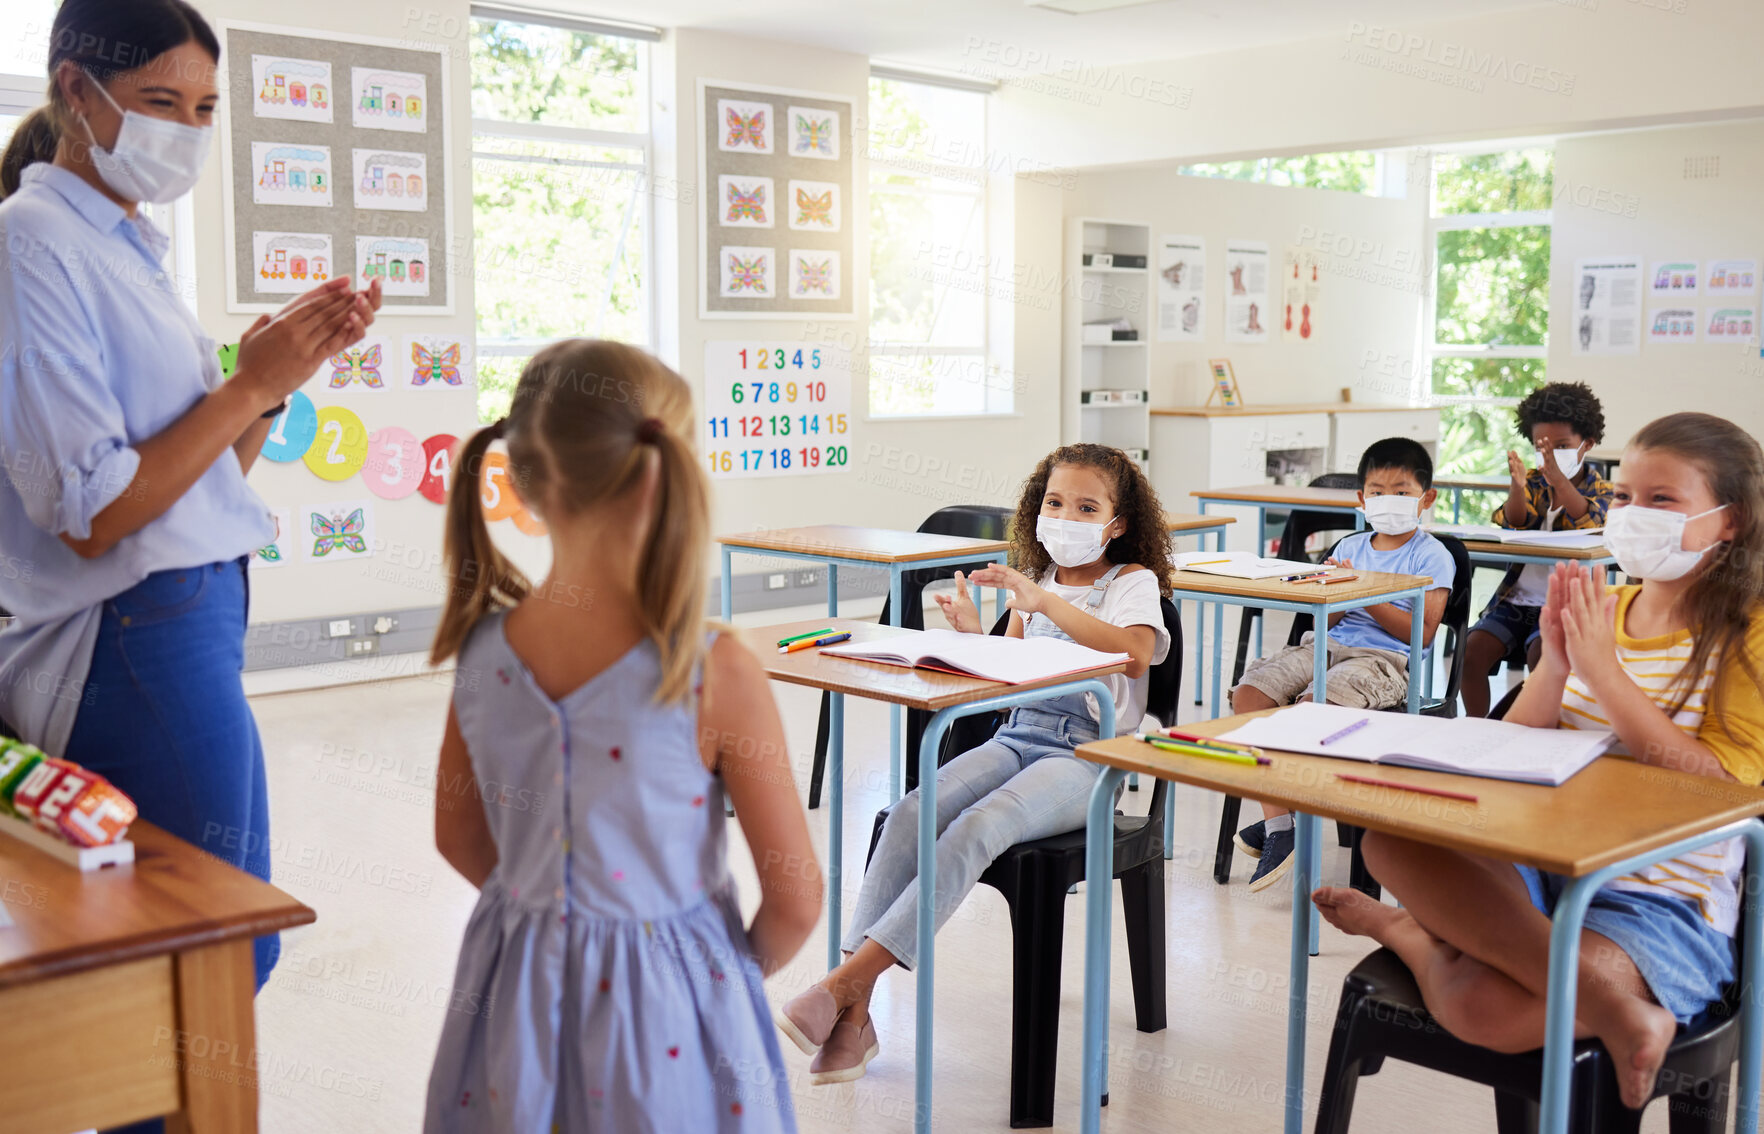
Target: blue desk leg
(894, 711)
(1751, 1052)
(924, 977)
(1414, 703)
(1261, 544)
(728, 584)
(1565, 925)
(1306, 835)
(1099, 888)
(832, 590)
(1200, 621)
(835, 823)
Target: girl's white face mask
(1392, 515)
(1649, 542)
(154, 159)
(1071, 543)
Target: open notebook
(1574, 538)
(1468, 745)
(995, 658)
(1241, 565)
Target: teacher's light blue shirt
(97, 354)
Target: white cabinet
(1355, 431)
(1105, 381)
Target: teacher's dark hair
(107, 38)
(33, 140)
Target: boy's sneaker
(1275, 862)
(1250, 839)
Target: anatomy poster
(1182, 277)
(1299, 284)
(1607, 309)
(776, 165)
(1247, 317)
(294, 90)
(395, 180)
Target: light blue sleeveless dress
(605, 983)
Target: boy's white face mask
(1392, 515)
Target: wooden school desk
(1494, 553)
(1281, 498)
(945, 695)
(127, 992)
(1458, 485)
(1609, 820)
(840, 545)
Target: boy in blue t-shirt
(1369, 647)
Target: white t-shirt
(1532, 587)
(1130, 600)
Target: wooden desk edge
(67, 961)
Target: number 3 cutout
(396, 463)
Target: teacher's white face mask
(154, 159)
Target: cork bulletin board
(776, 220)
(335, 154)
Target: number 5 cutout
(395, 463)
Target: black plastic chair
(1035, 877)
(1381, 1015)
(1301, 525)
(1455, 622)
(975, 521)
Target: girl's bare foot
(1353, 912)
(1638, 1048)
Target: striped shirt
(1735, 733)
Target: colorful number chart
(776, 409)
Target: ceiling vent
(1702, 168)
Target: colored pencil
(1211, 742)
(1406, 787)
(809, 643)
(782, 642)
(1165, 745)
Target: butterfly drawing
(746, 206)
(338, 533)
(352, 365)
(442, 366)
(814, 209)
(814, 275)
(814, 135)
(747, 273)
(747, 130)
(271, 552)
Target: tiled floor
(348, 1024)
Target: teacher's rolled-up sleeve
(62, 434)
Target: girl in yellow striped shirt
(1672, 666)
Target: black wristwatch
(278, 411)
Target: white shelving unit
(1098, 379)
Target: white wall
(1374, 269)
(1638, 201)
(1550, 68)
(902, 470)
(404, 572)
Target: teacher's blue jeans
(167, 722)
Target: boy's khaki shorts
(1360, 677)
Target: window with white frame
(561, 201)
(929, 269)
(1488, 332)
(1352, 171)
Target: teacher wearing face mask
(125, 519)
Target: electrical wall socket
(338, 628)
(808, 578)
(777, 582)
(362, 647)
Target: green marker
(782, 642)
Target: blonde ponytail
(482, 578)
(671, 580)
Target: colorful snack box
(36, 785)
(16, 761)
(98, 816)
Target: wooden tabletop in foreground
(914, 688)
(1368, 585)
(1285, 495)
(871, 545)
(1498, 547)
(174, 897)
(1614, 809)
